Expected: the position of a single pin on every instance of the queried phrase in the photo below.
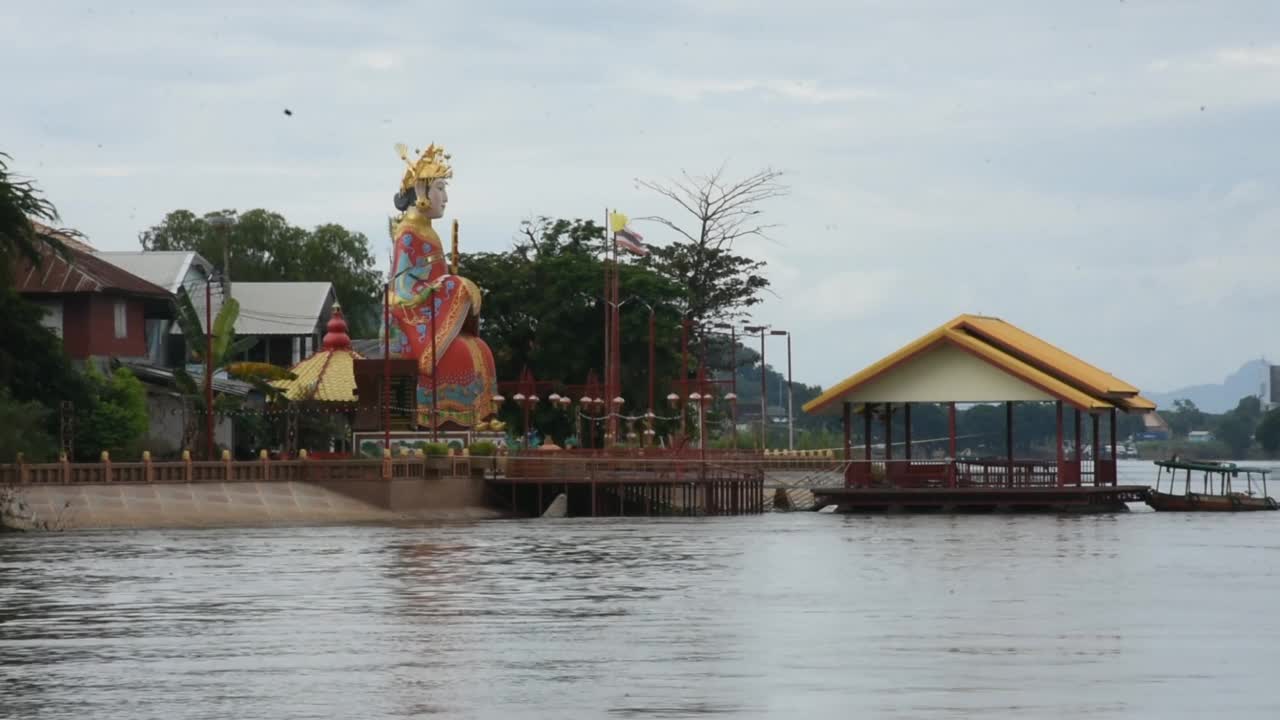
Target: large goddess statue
(425, 293)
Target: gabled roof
(1014, 351)
(166, 268)
(280, 308)
(80, 271)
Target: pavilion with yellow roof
(978, 359)
(328, 376)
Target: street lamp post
(732, 397)
(764, 395)
(791, 427)
(208, 370)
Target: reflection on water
(801, 615)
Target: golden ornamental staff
(454, 270)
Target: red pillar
(653, 340)
(847, 420)
(906, 426)
(435, 416)
(1097, 447)
(1115, 478)
(951, 442)
(951, 430)
(888, 431)
(1076, 457)
(1061, 478)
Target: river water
(788, 615)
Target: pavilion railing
(979, 473)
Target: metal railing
(218, 471)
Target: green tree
(116, 420)
(1249, 408)
(264, 247)
(543, 310)
(1268, 432)
(35, 371)
(1236, 432)
(24, 429)
(20, 202)
(1185, 417)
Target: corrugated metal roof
(281, 308)
(166, 268)
(1015, 351)
(80, 271)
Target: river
(787, 615)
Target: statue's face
(438, 195)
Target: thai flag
(626, 238)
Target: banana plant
(226, 347)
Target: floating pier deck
(1107, 498)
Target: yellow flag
(617, 221)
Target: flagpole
(617, 331)
(608, 315)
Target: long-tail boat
(1216, 492)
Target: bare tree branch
(716, 211)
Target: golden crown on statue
(432, 164)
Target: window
(122, 320)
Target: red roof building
(98, 309)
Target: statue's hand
(422, 296)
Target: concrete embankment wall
(223, 504)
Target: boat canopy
(1210, 467)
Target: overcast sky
(1103, 174)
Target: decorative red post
(653, 340)
(386, 366)
(208, 368)
(683, 388)
(951, 443)
(951, 430)
(1115, 476)
(435, 415)
(1079, 460)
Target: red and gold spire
(335, 336)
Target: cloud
(1249, 57)
(696, 89)
(376, 60)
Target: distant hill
(1217, 398)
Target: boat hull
(1196, 502)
